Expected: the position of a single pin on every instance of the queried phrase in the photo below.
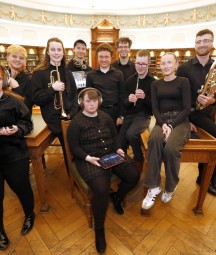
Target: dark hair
(104, 47)
(46, 63)
(123, 40)
(204, 32)
(144, 53)
(79, 41)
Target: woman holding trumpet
(54, 89)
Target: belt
(169, 113)
(109, 106)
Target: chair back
(64, 125)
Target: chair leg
(72, 184)
(89, 213)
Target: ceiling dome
(111, 7)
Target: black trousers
(16, 174)
(128, 173)
(206, 122)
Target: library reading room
(108, 118)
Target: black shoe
(100, 241)
(4, 241)
(212, 190)
(117, 203)
(28, 224)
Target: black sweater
(14, 112)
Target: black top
(127, 70)
(196, 73)
(24, 89)
(171, 96)
(14, 112)
(141, 104)
(110, 85)
(44, 95)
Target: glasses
(141, 64)
(204, 41)
(123, 47)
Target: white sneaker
(167, 196)
(149, 200)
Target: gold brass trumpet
(61, 104)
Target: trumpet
(61, 104)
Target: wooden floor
(172, 228)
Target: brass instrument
(209, 87)
(61, 104)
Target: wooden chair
(77, 180)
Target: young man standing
(196, 70)
(124, 64)
(109, 81)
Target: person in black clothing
(48, 92)
(196, 70)
(15, 123)
(91, 135)
(138, 108)
(78, 63)
(110, 82)
(171, 102)
(16, 59)
(124, 64)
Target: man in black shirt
(196, 70)
(124, 64)
(109, 81)
(138, 109)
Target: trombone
(61, 104)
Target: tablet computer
(111, 160)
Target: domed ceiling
(111, 7)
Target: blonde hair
(15, 48)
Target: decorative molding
(186, 17)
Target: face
(203, 44)
(80, 51)
(55, 52)
(16, 61)
(90, 105)
(168, 64)
(141, 65)
(104, 59)
(123, 49)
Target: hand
(193, 127)
(119, 121)
(206, 100)
(93, 160)
(58, 86)
(166, 131)
(140, 94)
(120, 152)
(8, 131)
(132, 98)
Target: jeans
(169, 152)
(133, 126)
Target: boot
(28, 224)
(117, 203)
(4, 241)
(100, 241)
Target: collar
(196, 61)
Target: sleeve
(89, 80)
(73, 135)
(121, 94)
(42, 93)
(147, 99)
(24, 120)
(155, 106)
(186, 102)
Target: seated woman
(91, 135)
(171, 106)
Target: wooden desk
(201, 150)
(37, 143)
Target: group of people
(108, 115)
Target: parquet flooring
(171, 229)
